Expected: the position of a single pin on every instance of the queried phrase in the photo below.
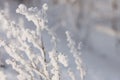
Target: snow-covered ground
(94, 23)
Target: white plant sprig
(76, 55)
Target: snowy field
(92, 23)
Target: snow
(100, 42)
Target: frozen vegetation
(78, 37)
(28, 55)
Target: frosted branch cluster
(20, 44)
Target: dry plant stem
(43, 52)
(45, 61)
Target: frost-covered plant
(76, 55)
(28, 53)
